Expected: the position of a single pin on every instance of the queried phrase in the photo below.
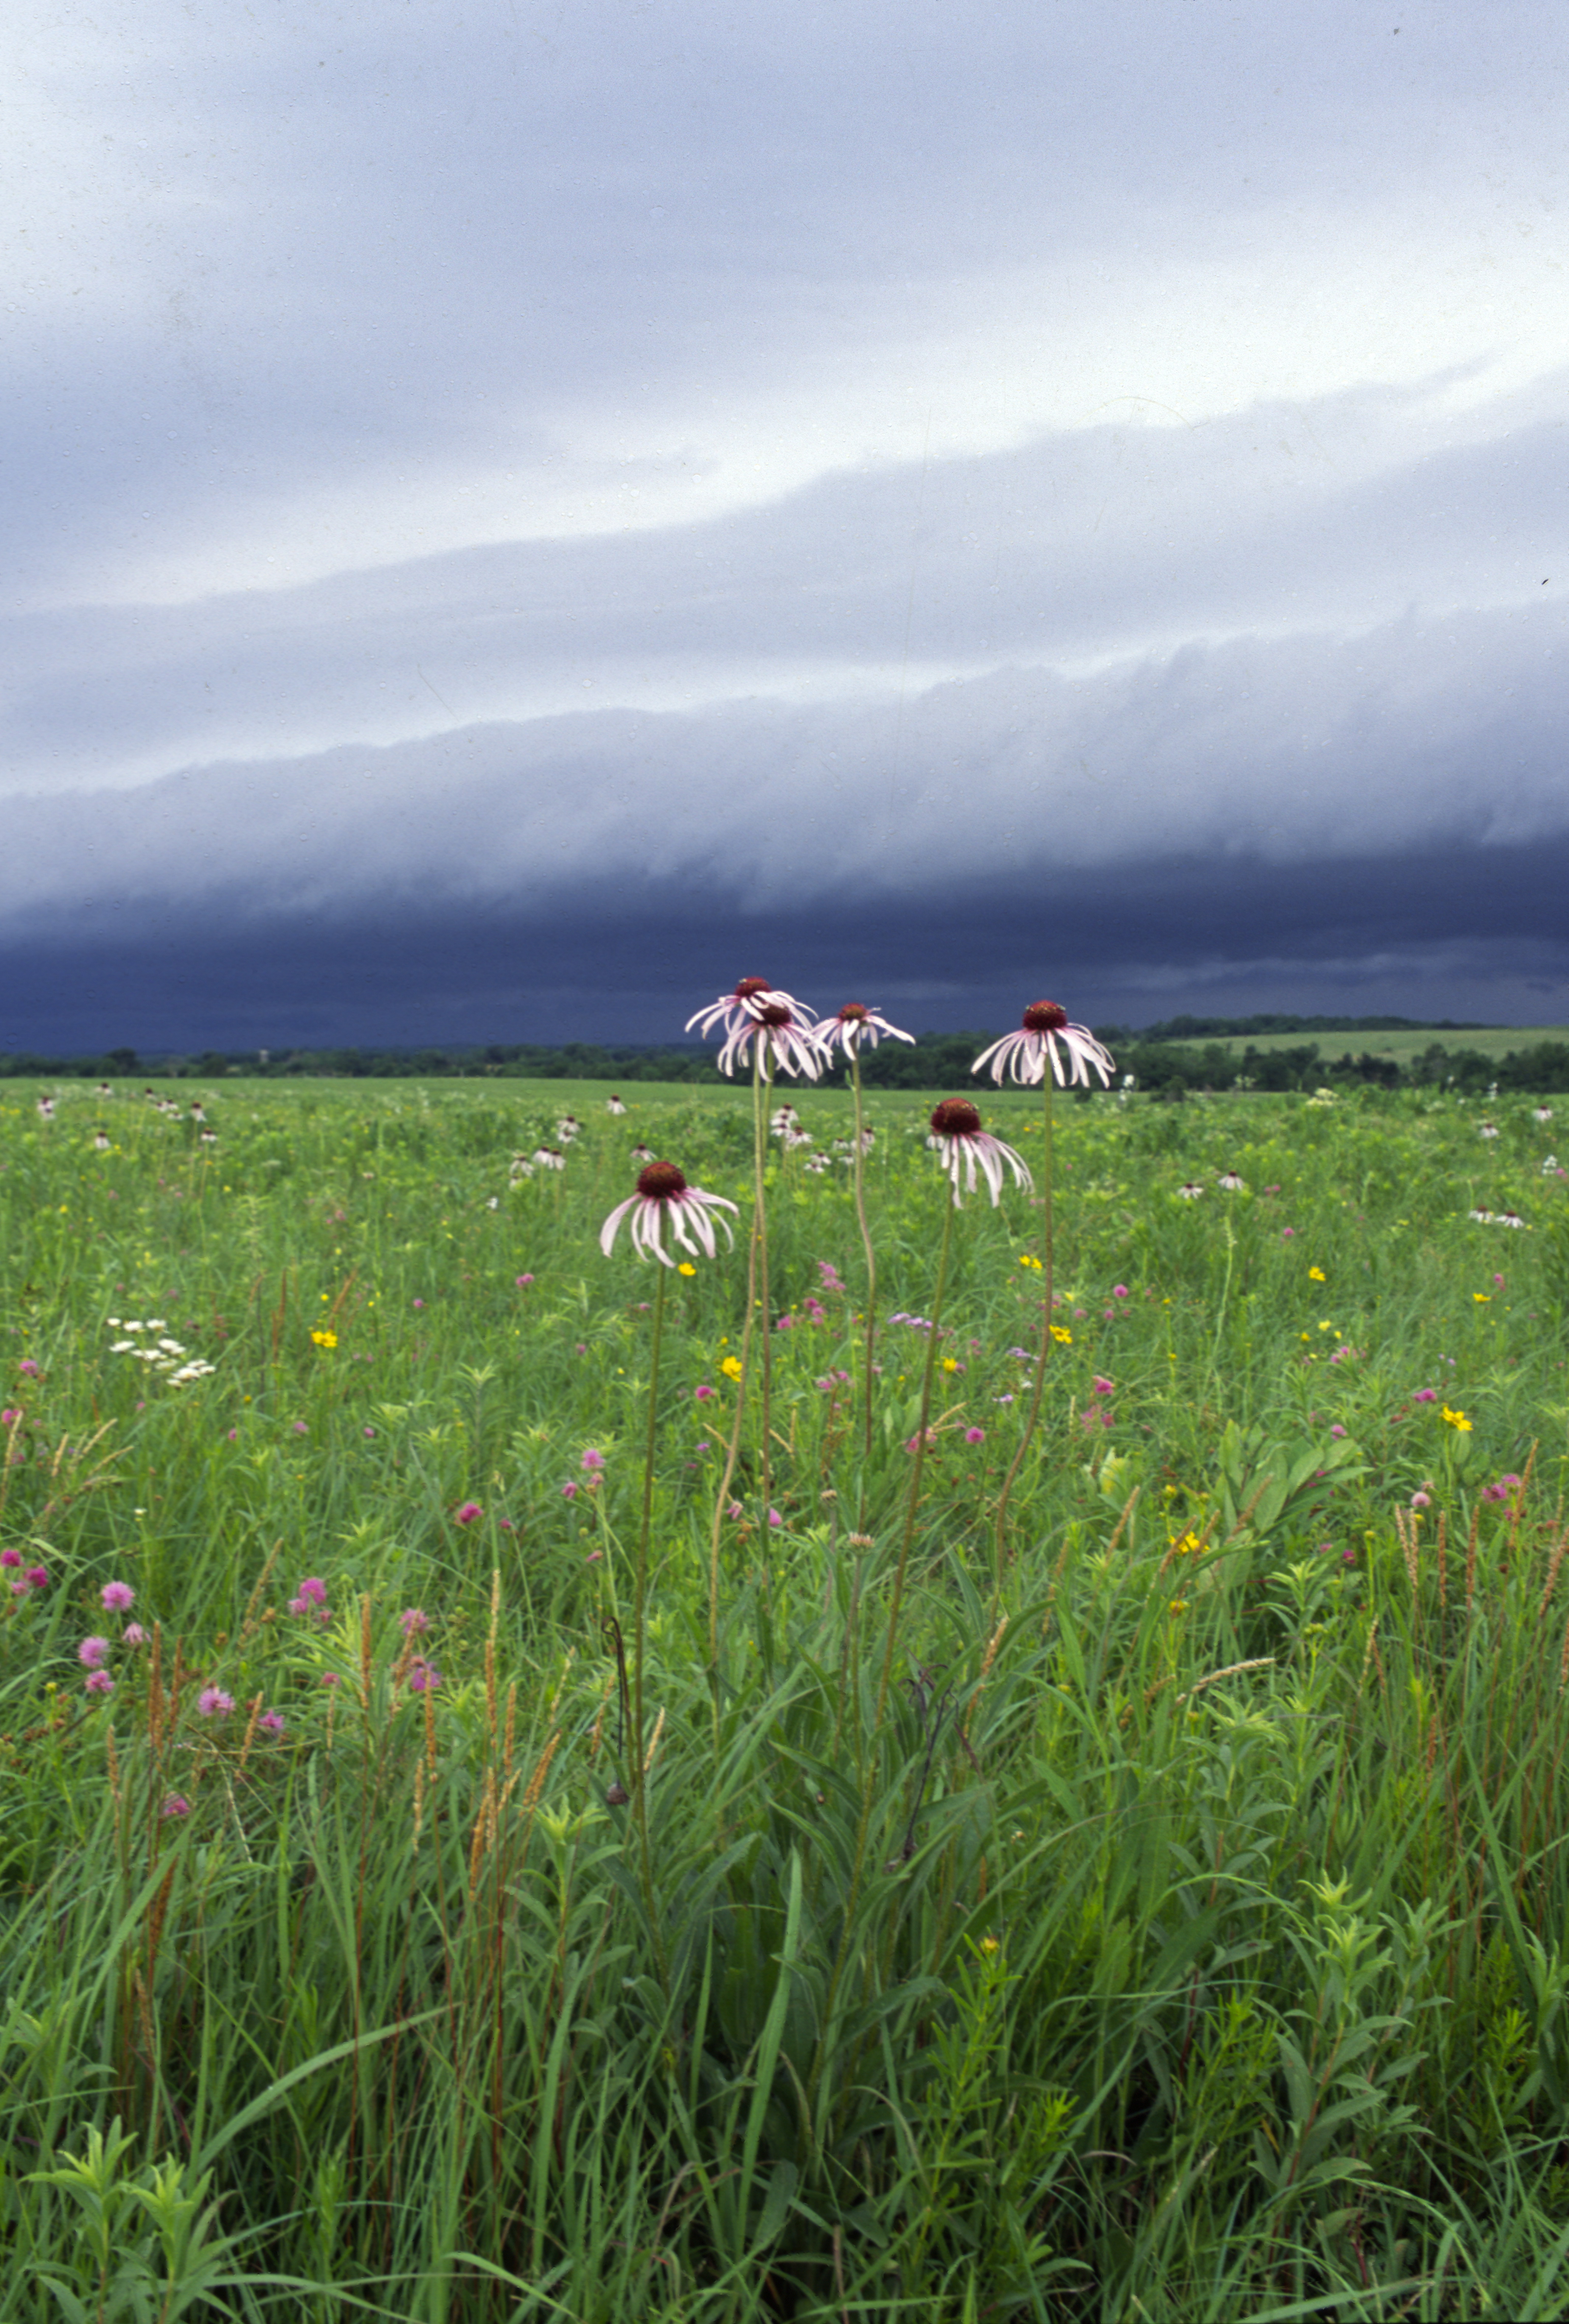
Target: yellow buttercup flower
(325, 1339)
(1457, 1420)
(1062, 1335)
(730, 1367)
(1316, 1274)
(685, 1268)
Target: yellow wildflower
(1062, 1335)
(1457, 1420)
(325, 1339)
(1316, 1274)
(730, 1367)
(685, 1268)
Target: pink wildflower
(99, 1683)
(569, 1490)
(1025, 1054)
(271, 1722)
(118, 1597)
(176, 1804)
(974, 1437)
(93, 1653)
(424, 1677)
(414, 1622)
(11, 1557)
(964, 1147)
(132, 1634)
(214, 1703)
(592, 1459)
(466, 1513)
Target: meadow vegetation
(1147, 1900)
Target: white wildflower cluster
(521, 1168)
(1497, 1218)
(162, 1354)
(1322, 1097)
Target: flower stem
(733, 1450)
(638, 1632)
(1023, 1444)
(870, 1268)
(919, 1457)
(761, 1084)
(869, 1780)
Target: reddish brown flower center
(750, 984)
(776, 1013)
(854, 1012)
(661, 1182)
(955, 1117)
(1044, 1017)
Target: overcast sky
(520, 512)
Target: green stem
(868, 1782)
(871, 1270)
(760, 1085)
(1047, 1255)
(638, 1632)
(920, 1459)
(733, 1450)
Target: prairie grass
(1166, 1918)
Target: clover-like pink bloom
(854, 1028)
(1025, 1054)
(118, 1597)
(93, 1653)
(466, 1513)
(213, 1702)
(663, 1198)
(964, 1147)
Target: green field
(1491, 1041)
(492, 1836)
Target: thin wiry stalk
(863, 1824)
(640, 1631)
(866, 1246)
(1023, 1444)
(761, 1084)
(733, 1450)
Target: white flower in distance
(613, 1105)
(855, 1027)
(567, 1128)
(1488, 1129)
(1191, 1192)
(1047, 1035)
(546, 1157)
(964, 1147)
(1508, 1219)
(663, 1197)
(1541, 1113)
(779, 1121)
(1230, 1183)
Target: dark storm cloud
(1144, 941)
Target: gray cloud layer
(481, 463)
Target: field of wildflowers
(569, 1758)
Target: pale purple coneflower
(547, 1158)
(964, 1147)
(101, 1141)
(1190, 1190)
(567, 1128)
(780, 1029)
(1230, 1183)
(1025, 1054)
(855, 1027)
(640, 1153)
(663, 1195)
(743, 1006)
(613, 1104)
